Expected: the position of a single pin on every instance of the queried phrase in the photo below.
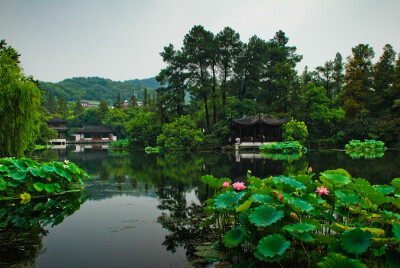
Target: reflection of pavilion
(259, 128)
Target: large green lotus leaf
(20, 164)
(355, 241)
(337, 260)
(384, 189)
(49, 188)
(376, 197)
(245, 206)
(303, 178)
(261, 257)
(37, 172)
(300, 205)
(305, 237)
(396, 183)
(262, 198)
(49, 168)
(337, 178)
(214, 182)
(396, 231)
(234, 237)
(272, 245)
(300, 227)
(291, 182)
(265, 215)
(3, 168)
(375, 231)
(3, 185)
(227, 199)
(255, 181)
(19, 175)
(38, 186)
(347, 198)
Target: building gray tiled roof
(250, 120)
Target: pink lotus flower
(280, 198)
(226, 184)
(322, 190)
(239, 186)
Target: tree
(337, 75)
(295, 131)
(196, 50)
(118, 102)
(62, 107)
(143, 130)
(51, 103)
(229, 46)
(182, 134)
(145, 98)
(327, 78)
(20, 105)
(358, 80)
(78, 109)
(133, 101)
(116, 119)
(103, 110)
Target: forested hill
(96, 88)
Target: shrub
(180, 135)
(287, 147)
(299, 221)
(295, 131)
(143, 130)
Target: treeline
(97, 89)
(225, 77)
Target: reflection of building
(259, 128)
(94, 134)
(58, 124)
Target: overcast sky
(121, 40)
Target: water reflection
(143, 205)
(22, 226)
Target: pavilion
(259, 128)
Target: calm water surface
(133, 198)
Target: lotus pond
(138, 208)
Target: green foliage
(150, 150)
(181, 134)
(118, 145)
(295, 131)
(143, 130)
(116, 119)
(20, 105)
(26, 175)
(368, 149)
(288, 147)
(78, 108)
(45, 134)
(325, 217)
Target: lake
(137, 204)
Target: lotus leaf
(384, 189)
(49, 188)
(18, 175)
(337, 178)
(396, 183)
(37, 172)
(25, 196)
(265, 215)
(396, 231)
(347, 198)
(374, 231)
(261, 257)
(234, 237)
(300, 205)
(272, 245)
(300, 227)
(339, 261)
(227, 199)
(214, 182)
(255, 181)
(3, 168)
(305, 237)
(356, 241)
(291, 182)
(245, 206)
(38, 186)
(262, 198)
(20, 164)
(49, 168)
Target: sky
(121, 40)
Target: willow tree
(20, 105)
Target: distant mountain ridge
(97, 88)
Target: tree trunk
(207, 118)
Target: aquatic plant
(150, 149)
(287, 147)
(305, 221)
(41, 147)
(23, 178)
(366, 145)
(119, 145)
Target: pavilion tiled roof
(56, 119)
(249, 120)
(94, 129)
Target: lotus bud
(280, 198)
(309, 170)
(294, 216)
(226, 184)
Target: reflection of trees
(22, 225)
